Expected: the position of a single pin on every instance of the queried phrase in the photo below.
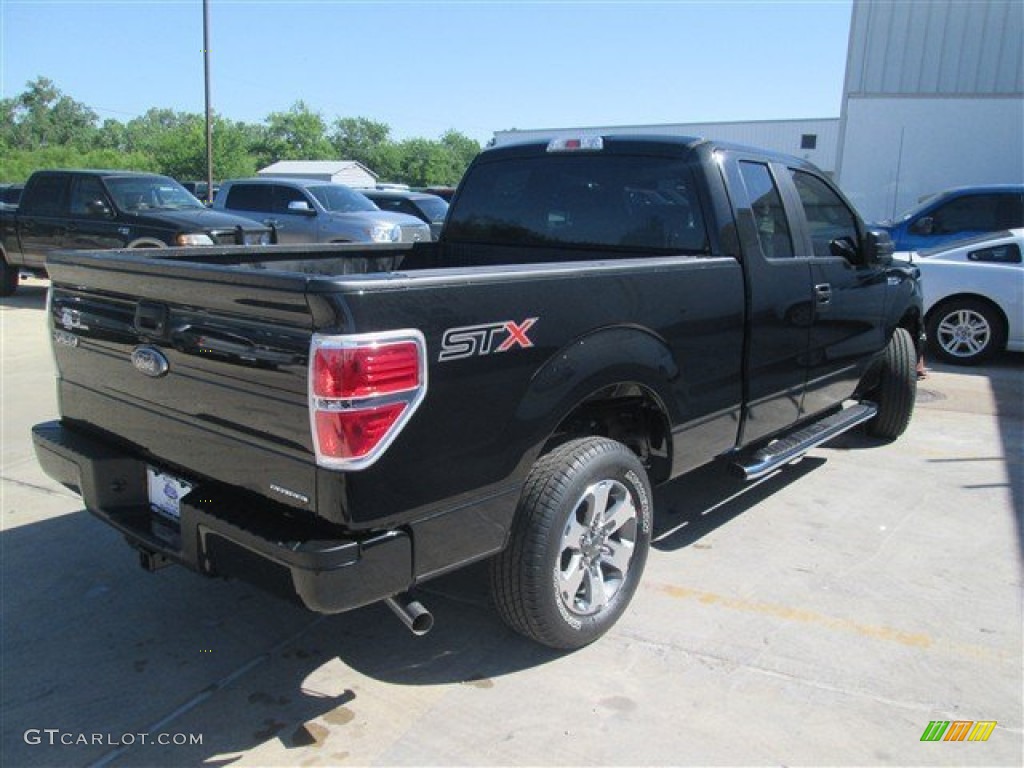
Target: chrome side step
(791, 447)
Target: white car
(973, 296)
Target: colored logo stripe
(958, 730)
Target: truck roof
(633, 143)
(100, 172)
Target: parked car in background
(429, 208)
(312, 211)
(72, 209)
(445, 193)
(974, 296)
(958, 214)
(199, 190)
(10, 195)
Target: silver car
(312, 211)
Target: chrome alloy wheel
(964, 333)
(596, 547)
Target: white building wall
(898, 150)
(777, 135)
(933, 99)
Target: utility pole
(209, 113)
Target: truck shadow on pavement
(29, 296)
(96, 648)
(694, 505)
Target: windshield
(340, 199)
(141, 193)
(609, 201)
(435, 208)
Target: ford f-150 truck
(108, 209)
(600, 314)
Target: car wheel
(966, 331)
(896, 391)
(578, 544)
(8, 278)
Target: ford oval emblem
(150, 361)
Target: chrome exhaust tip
(412, 613)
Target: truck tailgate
(216, 386)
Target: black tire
(897, 388)
(966, 331)
(557, 544)
(8, 278)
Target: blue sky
(426, 67)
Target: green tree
(359, 138)
(19, 164)
(298, 134)
(424, 162)
(462, 150)
(42, 116)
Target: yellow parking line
(800, 615)
(803, 616)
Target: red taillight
(353, 434)
(362, 391)
(378, 369)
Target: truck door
(779, 296)
(91, 220)
(294, 225)
(42, 217)
(849, 295)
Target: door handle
(823, 294)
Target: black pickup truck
(108, 209)
(343, 423)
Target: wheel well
(913, 323)
(628, 413)
(996, 309)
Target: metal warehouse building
(933, 98)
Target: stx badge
(473, 340)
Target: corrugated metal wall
(934, 98)
(936, 47)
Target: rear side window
(1008, 253)
(602, 201)
(769, 215)
(249, 197)
(828, 217)
(47, 196)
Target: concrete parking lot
(824, 616)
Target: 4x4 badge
(150, 361)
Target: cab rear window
(593, 201)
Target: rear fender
(627, 355)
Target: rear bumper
(224, 533)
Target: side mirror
(98, 208)
(923, 226)
(844, 248)
(878, 247)
(301, 206)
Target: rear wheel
(8, 278)
(966, 331)
(578, 544)
(897, 388)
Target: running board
(791, 447)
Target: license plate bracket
(166, 492)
